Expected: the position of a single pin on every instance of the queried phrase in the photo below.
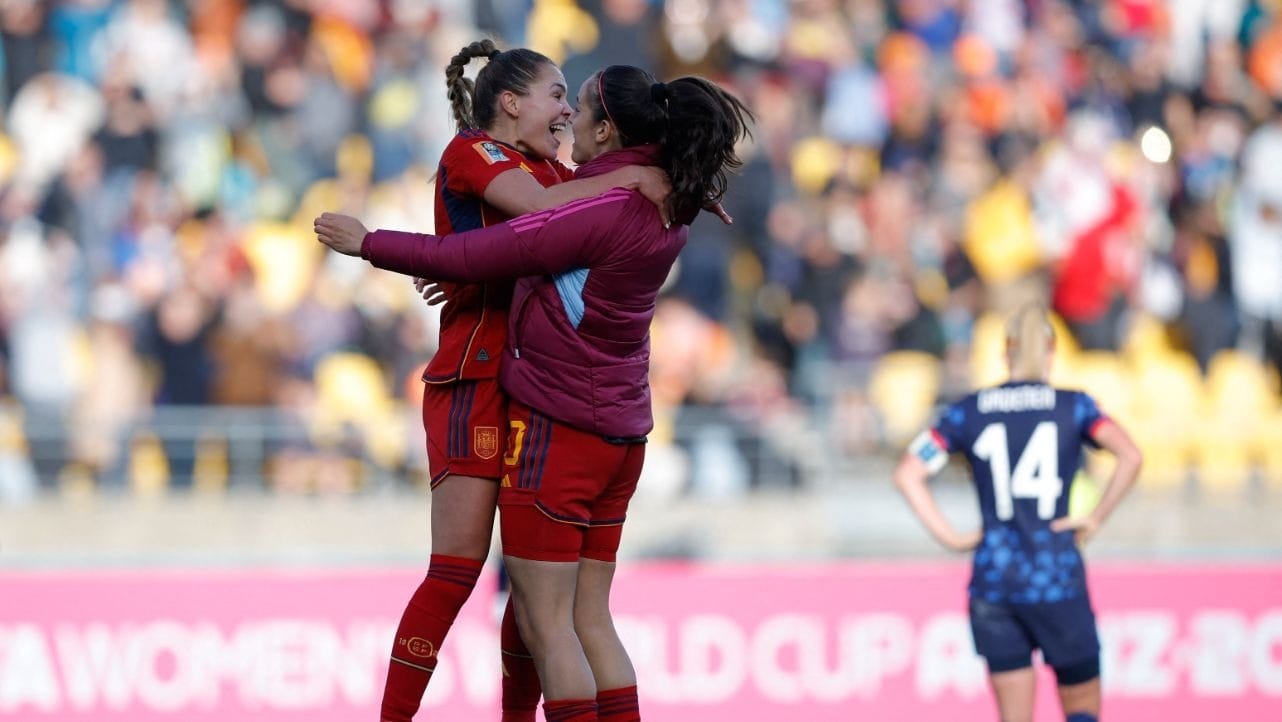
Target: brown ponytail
(475, 104)
(696, 123)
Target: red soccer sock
(618, 705)
(427, 619)
(521, 688)
(570, 710)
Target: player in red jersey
(501, 164)
(576, 363)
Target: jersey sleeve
(934, 445)
(1088, 417)
(951, 427)
(471, 164)
(563, 171)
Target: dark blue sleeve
(1087, 417)
(950, 428)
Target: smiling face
(541, 114)
(592, 137)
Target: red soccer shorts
(565, 492)
(465, 422)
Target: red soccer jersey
(474, 320)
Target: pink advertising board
(868, 642)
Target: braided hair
(475, 103)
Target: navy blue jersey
(1024, 445)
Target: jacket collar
(615, 159)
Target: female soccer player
(501, 164)
(1023, 441)
(577, 360)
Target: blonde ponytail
(1030, 339)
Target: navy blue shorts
(1006, 634)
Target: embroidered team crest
(486, 441)
(420, 647)
(490, 151)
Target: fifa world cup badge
(491, 152)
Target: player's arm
(1113, 438)
(516, 192)
(924, 457)
(547, 242)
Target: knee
(466, 545)
(539, 626)
(536, 631)
(591, 621)
(528, 629)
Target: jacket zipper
(518, 324)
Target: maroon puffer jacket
(590, 271)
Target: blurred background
(187, 378)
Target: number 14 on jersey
(1036, 473)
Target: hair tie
(600, 91)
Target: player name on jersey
(1016, 398)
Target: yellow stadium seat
(1238, 382)
(1223, 459)
(284, 259)
(1147, 338)
(988, 351)
(148, 466)
(76, 480)
(1237, 433)
(351, 391)
(13, 441)
(387, 439)
(815, 162)
(211, 466)
(8, 158)
(1000, 236)
(1170, 385)
(1168, 404)
(1084, 495)
(903, 389)
(351, 387)
(1166, 460)
(1271, 462)
(1106, 378)
(560, 28)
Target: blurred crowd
(915, 166)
